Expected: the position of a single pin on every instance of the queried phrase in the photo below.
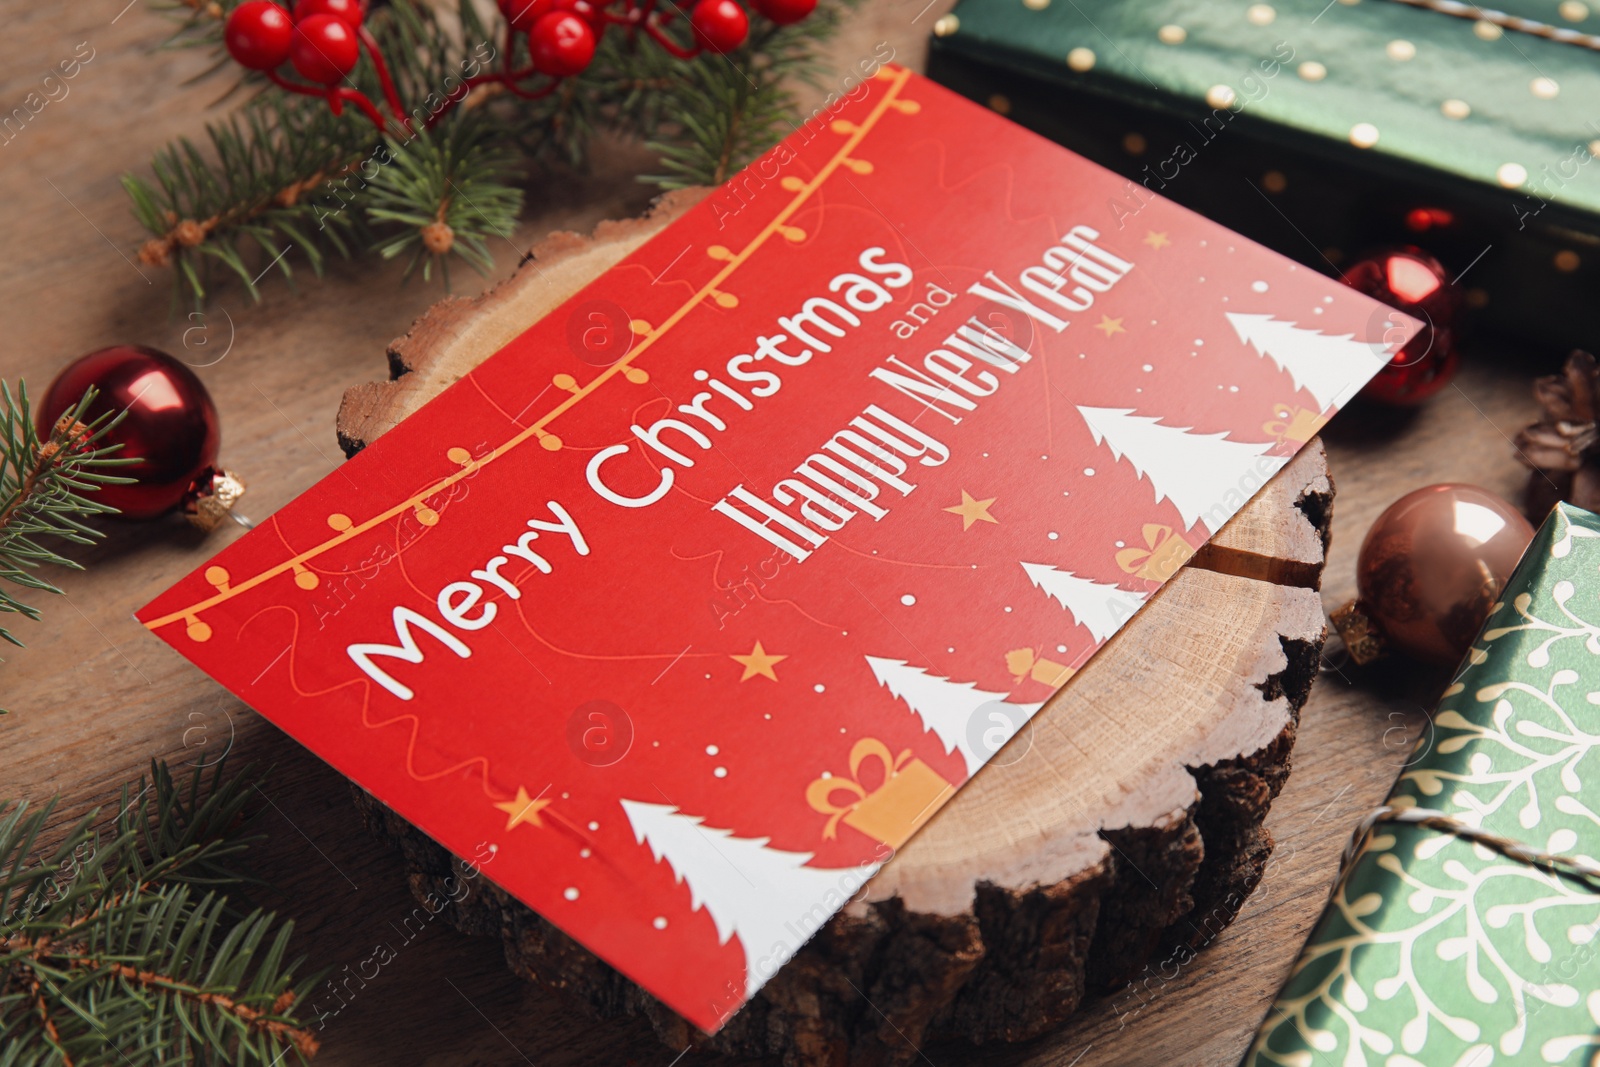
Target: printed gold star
(523, 809)
(1156, 239)
(759, 661)
(972, 511)
(1109, 325)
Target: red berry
(349, 12)
(524, 14)
(783, 12)
(324, 49)
(258, 34)
(592, 13)
(562, 44)
(720, 25)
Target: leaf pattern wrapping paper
(1438, 951)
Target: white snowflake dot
(659, 922)
(1198, 342)
(711, 750)
(1327, 300)
(1147, 368)
(584, 853)
(571, 892)
(768, 715)
(908, 600)
(1233, 388)
(1316, 311)
(819, 687)
(827, 774)
(1121, 544)
(1258, 287)
(594, 826)
(1089, 471)
(566, 796)
(1061, 648)
(1053, 536)
(720, 772)
(1008, 608)
(1044, 457)
(952, 648)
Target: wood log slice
(1124, 827)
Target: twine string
(1533, 27)
(1555, 863)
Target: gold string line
(722, 275)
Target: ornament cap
(213, 498)
(1361, 635)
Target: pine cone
(1563, 447)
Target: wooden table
(95, 697)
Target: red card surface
(692, 603)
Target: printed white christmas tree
(1198, 472)
(1331, 367)
(949, 708)
(1102, 608)
(769, 898)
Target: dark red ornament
(325, 49)
(1412, 281)
(258, 35)
(524, 14)
(349, 12)
(562, 44)
(784, 12)
(171, 427)
(720, 25)
(1429, 571)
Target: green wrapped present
(1324, 128)
(1440, 950)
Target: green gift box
(1439, 950)
(1324, 128)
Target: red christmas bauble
(324, 49)
(170, 427)
(1413, 282)
(349, 12)
(524, 14)
(1432, 566)
(720, 25)
(784, 12)
(562, 44)
(258, 35)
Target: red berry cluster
(322, 41)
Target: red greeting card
(690, 605)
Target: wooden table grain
(94, 697)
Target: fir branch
(44, 487)
(447, 192)
(267, 185)
(752, 98)
(109, 954)
(285, 173)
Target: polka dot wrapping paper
(682, 612)
(1326, 128)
